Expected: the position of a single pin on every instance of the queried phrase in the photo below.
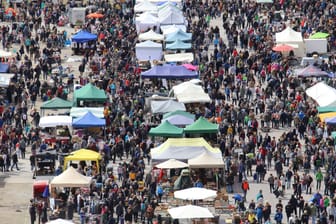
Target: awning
(5, 79)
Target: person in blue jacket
(278, 216)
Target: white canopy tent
(179, 57)
(145, 21)
(5, 79)
(172, 17)
(171, 164)
(323, 94)
(145, 6)
(157, 1)
(206, 160)
(54, 121)
(148, 50)
(292, 38)
(167, 29)
(190, 212)
(195, 193)
(150, 35)
(161, 107)
(81, 111)
(70, 178)
(6, 54)
(186, 92)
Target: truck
(77, 16)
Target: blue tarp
(178, 45)
(178, 35)
(83, 37)
(168, 71)
(4, 68)
(88, 120)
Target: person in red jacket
(245, 186)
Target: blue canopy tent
(87, 121)
(178, 45)
(168, 71)
(83, 37)
(178, 35)
(4, 67)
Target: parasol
(171, 164)
(282, 48)
(95, 15)
(195, 193)
(190, 212)
(10, 12)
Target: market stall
(83, 155)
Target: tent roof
(70, 178)
(54, 121)
(325, 116)
(88, 120)
(56, 103)
(178, 35)
(90, 92)
(178, 120)
(145, 6)
(311, 71)
(83, 36)
(326, 109)
(201, 126)
(171, 17)
(206, 160)
(166, 129)
(178, 45)
(179, 112)
(165, 106)
(168, 71)
(186, 92)
(183, 149)
(6, 54)
(147, 18)
(167, 29)
(81, 111)
(288, 35)
(323, 94)
(83, 154)
(149, 44)
(150, 35)
(179, 57)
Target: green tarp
(319, 35)
(89, 93)
(166, 129)
(56, 103)
(201, 126)
(179, 112)
(326, 109)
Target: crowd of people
(252, 90)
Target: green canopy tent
(56, 103)
(179, 112)
(166, 129)
(90, 93)
(326, 109)
(319, 35)
(201, 126)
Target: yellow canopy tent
(83, 155)
(326, 115)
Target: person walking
(271, 182)
(278, 216)
(245, 186)
(319, 178)
(32, 211)
(15, 161)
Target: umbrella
(60, 221)
(46, 192)
(190, 212)
(95, 15)
(237, 197)
(195, 193)
(282, 48)
(190, 67)
(10, 11)
(171, 164)
(319, 35)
